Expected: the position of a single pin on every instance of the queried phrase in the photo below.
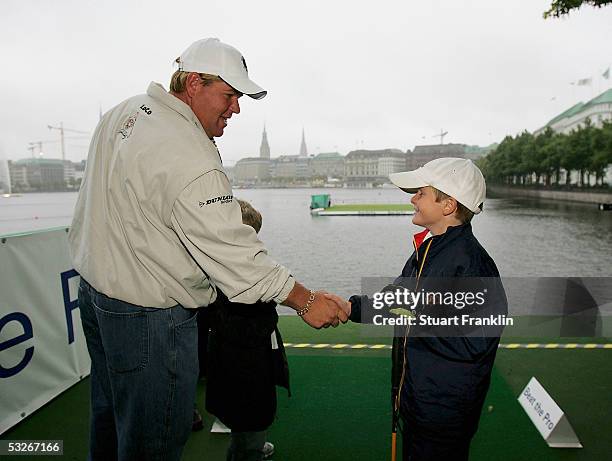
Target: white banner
(42, 346)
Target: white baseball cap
(212, 56)
(457, 177)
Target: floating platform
(372, 209)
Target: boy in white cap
(440, 382)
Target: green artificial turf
(339, 410)
(372, 207)
(340, 407)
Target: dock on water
(320, 205)
(371, 209)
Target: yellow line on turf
(501, 346)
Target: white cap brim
(409, 181)
(245, 86)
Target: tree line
(549, 158)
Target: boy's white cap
(212, 56)
(457, 177)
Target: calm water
(525, 237)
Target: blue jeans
(144, 369)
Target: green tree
(577, 156)
(601, 152)
(560, 8)
(522, 157)
(539, 163)
(555, 150)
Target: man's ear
(192, 83)
(450, 206)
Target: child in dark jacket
(441, 376)
(245, 362)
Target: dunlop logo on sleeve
(220, 199)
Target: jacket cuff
(355, 301)
(284, 293)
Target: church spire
(303, 149)
(264, 149)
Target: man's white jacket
(156, 223)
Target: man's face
(214, 104)
(427, 212)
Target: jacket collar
(159, 93)
(420, 237)
(441, 241)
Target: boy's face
(427, 212)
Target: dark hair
(462, 213)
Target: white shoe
(267, 450)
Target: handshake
(318, 309)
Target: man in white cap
(156, 232)
(441, 375)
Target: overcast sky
(372, 74)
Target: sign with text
(42, 346)
(547, 417)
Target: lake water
(525, 237)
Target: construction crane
(441, 136)
(33, 145)
(62, 130)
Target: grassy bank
(372, 207)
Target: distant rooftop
(603, 98)
(39, 161)
(328, 155)
(376, 153)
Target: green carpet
(340, 409)
(340, 406)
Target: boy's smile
(427, 212)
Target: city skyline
(391, 76)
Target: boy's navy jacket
(446, 378)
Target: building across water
(45, 174)
(597, 110)
(359, 168)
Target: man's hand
(326, 310)
(344, 304)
